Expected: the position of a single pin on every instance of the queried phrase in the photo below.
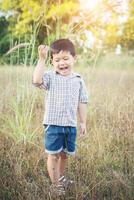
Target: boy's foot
(57, 190)
(65, 182)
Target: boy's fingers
(41, 47)
(83, 129)
(42, 51)
(82, 133)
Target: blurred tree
(44, 16)
(127, 38)
(4, 35)
(37, 21)
(42, 21)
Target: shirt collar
(69, 76)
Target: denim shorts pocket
(46, 127)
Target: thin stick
(16, 47)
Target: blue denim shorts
(60, 138)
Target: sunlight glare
(88, 4)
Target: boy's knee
(63, 155)
(54, 156)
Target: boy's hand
(82, 130)
(42, 51)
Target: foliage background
(104, 167)
(42, 21)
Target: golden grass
(104, 168)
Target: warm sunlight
(89, 4)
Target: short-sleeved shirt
(64, 93)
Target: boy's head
(62, 53)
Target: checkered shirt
(62, 98)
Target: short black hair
(62, 45)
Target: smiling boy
(66, 94)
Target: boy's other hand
(82, 130)
(42, 51)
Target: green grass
(104, 169)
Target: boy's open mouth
(63, 68)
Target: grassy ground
(105, 168)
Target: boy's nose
(61, 62)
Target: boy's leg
(62, 163)
(53, 167)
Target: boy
(66, 93)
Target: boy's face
(63, 62)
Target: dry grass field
(104, 168)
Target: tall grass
(104, 167)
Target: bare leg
(53, 167)
(62, 163)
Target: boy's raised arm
(40, 67)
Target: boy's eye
(56, 60)
(65, 58)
